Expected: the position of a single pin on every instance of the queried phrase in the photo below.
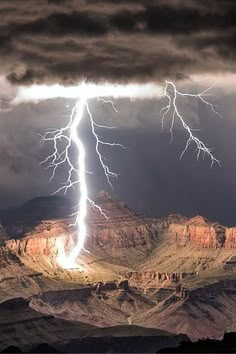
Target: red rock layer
(125, 229)
(43, 239)
(230, 237)
(123, 236)
(199, 231)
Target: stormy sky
(66, 42)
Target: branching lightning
(76, 175)
(63, 139)
(171, 93)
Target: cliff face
(124, 236)
(124, 230)
(230, 237)
(43, 239)
(123, 227)
(199, 231)
(156, 279)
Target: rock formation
(144, 271)
(199, 231)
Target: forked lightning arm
(172, 94)
(63, 139)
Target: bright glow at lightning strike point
(69, 135)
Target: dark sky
(45, 41)
(189, 42)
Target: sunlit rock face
(199, 231)
(230, 237)
(123, 234)
(42, 239)
(123, 228)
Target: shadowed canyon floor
(170, 275)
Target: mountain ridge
(156, 273)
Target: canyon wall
(124, 229)
(227, 286)
(156, 278)
(199, 231)
(127, 234)
(230, 237)
(43, 239)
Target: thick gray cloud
(66, 41)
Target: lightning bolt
(63, 139)
(77, 175)
(171, 93)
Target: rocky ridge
(139, 271)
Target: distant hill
(17, 221)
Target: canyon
(173, 275)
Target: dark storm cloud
(66, 41)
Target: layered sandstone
(121, 229)
(199, 231)
(129, 238)
(153, 278)
(43, 239)
(230, 237)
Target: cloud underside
(117, 41)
